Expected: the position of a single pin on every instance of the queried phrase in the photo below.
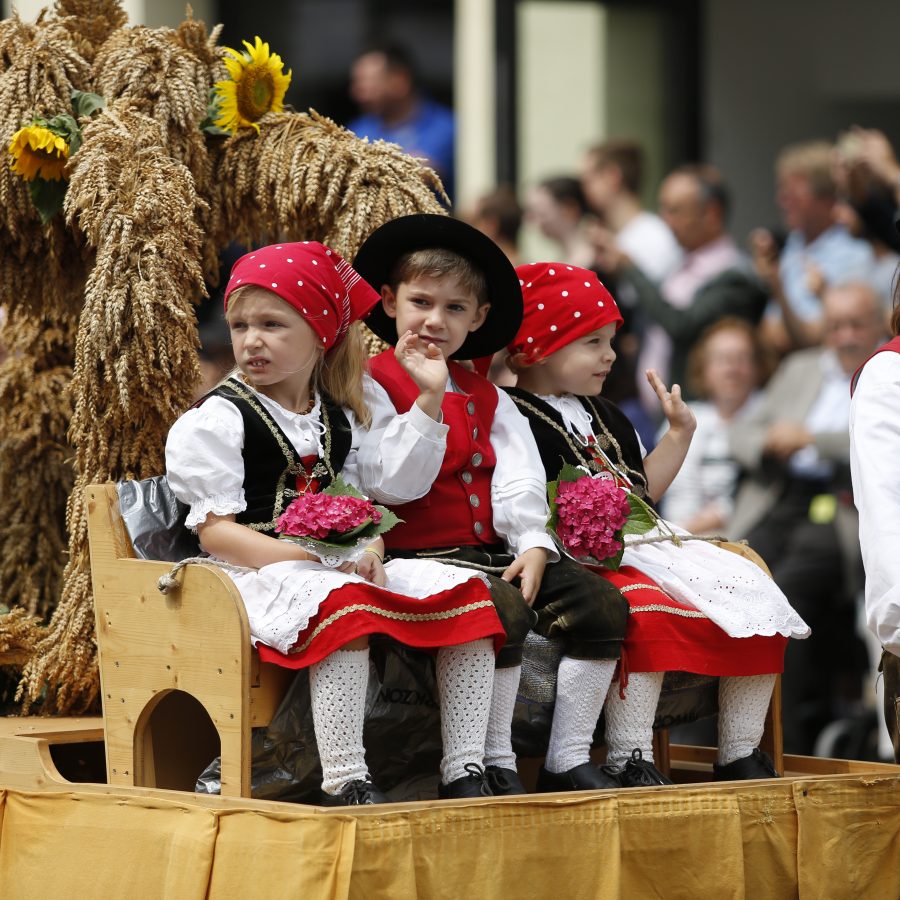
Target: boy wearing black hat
(448, 292)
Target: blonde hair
(812, 160)
(337, 373)
(763, 357)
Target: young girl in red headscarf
(295, 413)
(694, 607)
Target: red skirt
(664, 635)
(456, 616)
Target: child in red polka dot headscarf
(694, 606)
(289, 421)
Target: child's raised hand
(426, 365)
(676, 411)
(423, 363)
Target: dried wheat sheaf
(103, 298)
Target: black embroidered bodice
(274, 474)
(615, 437)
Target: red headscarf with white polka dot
(562, 304)
(325, 289)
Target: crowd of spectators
(764, 332)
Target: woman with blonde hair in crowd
(726, 367)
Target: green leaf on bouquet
(340, 488)
(552, 491)
(388, 520)
(641, 519)
(613, 562)
(571, 473)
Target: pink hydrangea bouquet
(336, 524)
(590, 516)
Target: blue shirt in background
(428, 133)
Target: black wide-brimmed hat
(382, 249)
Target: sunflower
(38, 152)
(257, 86)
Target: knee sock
(743, 703)
(629, 722)
(498, 749)
(581, 686)
(337, 687)
(465, 679)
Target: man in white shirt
(795, 507)
(611, 178)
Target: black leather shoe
(756, 765)
(354, 793)
(503, 782)
(586, 777)
(638, 772)
(472, 785)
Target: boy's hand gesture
(529, 569)
(677, 412)
(426, 365)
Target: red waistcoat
(457, 510)
(893, 344)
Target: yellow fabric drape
(97, 846)
(769, 840)
(91, 845)
(662, 832)
(281, 857)
(849, 838)
(813, 839)
(485, 851)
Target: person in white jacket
(874, 451)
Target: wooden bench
(180, 681)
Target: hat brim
(379, 253)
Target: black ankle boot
(354, 793)
(473, 784)
(756, 765)
(586, 777)
(503, 782)
(638, 772)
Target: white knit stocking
(581, 686)
(498, 749)
(743, 703)
(629, 722)
(465, 677)
(337, 687)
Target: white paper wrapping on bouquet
(729, 589)
(330, 555)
